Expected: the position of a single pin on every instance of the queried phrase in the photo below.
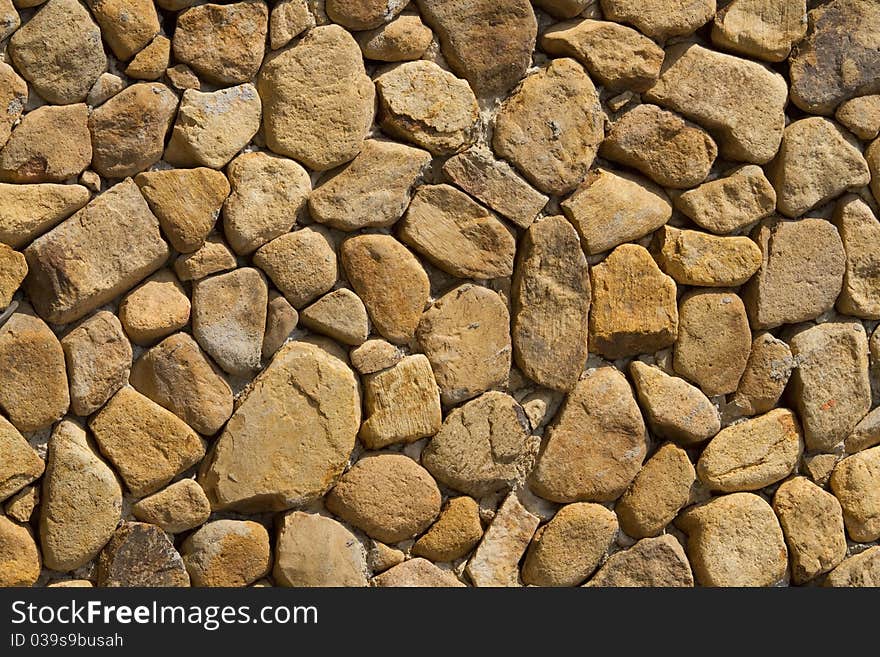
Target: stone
(651, 562)
(854, 482)
(178, 508)
(674, 408)
(865, 434)
(496, 560)
(51, 144)
(872, 156)
(140, 555)
(659, 491)
(90, 180)
(693, 257)
(59, 51)
(495, 184)
(739, 101)
(289, 19)
(389, 280)
(617, 56)
(764, 29)
(388, 496)
(661, 19)
(313, 550)
(177, 375)
(766, 374)
(81, 502)
(860, 231)
(182, 77)
(71, 583)
(838, 58)
(106, 86)
(9, 19)
(318, 99)
(483, 447)
(186, 202)
(456, 532)
(363, 14)
(417, 572)
(819, 467)
(550, 304)
(488, 42)
(154, 309)
(861, 116)
(812, 522)
(466, 337)
(423, 104)
(21, 465)
(19, 556)
(290, 437)
(403, 39)
(625, 283)
(13, 269)
(98, 356)
(550, 128)
(731, 203)
(302, 264)
(27, 211)
(13, 96)
(213, 257)
(669, 150)
(227, 553)
(21, 506)
(563, 8)
(752, 454)
(816, 163)
(381, 557)
(375, 355)
(33, 388)
(402, 404)
(596, 444)
(371, 191)
(830, 387)
(862, 569)
(229, 318)
(567, 550)
(281, 319)
(100, 252)
(151, 62)
(224, 44)
(341, 315)
(126, 25)
(801, 272)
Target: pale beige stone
(19, 556)
(213, 257)
(106, 86)
(21, 506)
(766, 374)
(654, 562)
(156, 308)
(865, 434)
(861, 116)
(872, 156)
(227, 553)
(289, 19)
(693, 257)
(496, 559)
(281, 319)
(862, 569)
(374, 355)
(27, 211)
(419, 573)
(764, 29)
(302, 264)
(860, 233)
(661, 19)
(13, 269)
(856, 483)
(341, 315)
(21, 465)
(13, 96)
(177, 508)
(819, 467)
(456, 532)
(403, 39)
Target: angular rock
(126, 25)
(767, 371)
(661, 19)
(140, 555)
(211, 258)
(13, 269)
(106, 86)
(563, 8)
(416, 573)
(151, 62)
(19, 556)
(872, 157)
(27, 211)
(819, 467)
(341, 315)
(227, 553)
(21, 465)
(382, 557)
(693, 257)
(496, 560)
(861, 116)
(289, 18)
(302, 264)
(403, 39)
(862, 569)
(21, 506)
(13, 96)
(180, 507)
(456, 532)
(654, 562)
(374, 355)
(154, 309)
(363, 14)
(764, 29)
(866, 433)
(281, 319)
(856, 483)
(182, 77)
(860, 232)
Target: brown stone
(341, 315)
(862, 569)
(13, 96)
(496, 560)
(21, 465)
(182, 77)
(363, 14)
(653, 562)
(180, 507)
(861, 116)
(126, 25)
(860, 232)
(764, 29)
(456, 532)
(19, 557)
(856, 483)
(374, 355)
(661, 19)
(767, 372)
(154, 309)
(140, 555)
(693, 257)
(13, 269)
(419, 573)
(819, 467)
(212, 257)
(151, 62)
(302, 264)
(865, 434)
(27, 211)
(21, 506)
(281, 319)
(289, 19)
(227, 553)
(403, 39)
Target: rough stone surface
(855, 483)
(363, 14)
(28, 211)
(302, 264)
(861, 116)
(496, 560)
(456, 532)
(180, 507)
(417, 573)
(155, 308)
(341, 315)
(764, 29)
(859, 231)
(403, 39)
(13, 269)
(692, 257)
(13, 96)
(289, 19)
(126, 25)
(281, 319)
(151, 62)
(212, 257)
(767, 372)
(655, 562)
(21, 465)
(661, 19)
(374, 355)
(140, 555)
(862, 569)
(227, 553)
(865, 434)
(19, 556)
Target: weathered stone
(281, 319)
(154, 309)
(19, 556)
(20, 465)
(227, 553)
(419, 573)
(819, 467)
(27, 211)
(872, 156)
(180, 507)
(302, 264)
(862, 569)
(71, 583)
(860, 232)
(381, 557)
(106, 86)
(693, 257)
(766, 374)
(126, 25)
(496, 560)
(865, 434)
(861, 116)
(341, 315)
(856, 483)
(211, 258)
(661, 19)
(13, 96)
(563, 8)
(289, 19)
(363, 14)
(151, 62)
(140, 555)
(182, 77)
(654, 562)
(403, 39)
(374, 355)
(764, 29)
(13, 269)
(21, 506)
(456, 532)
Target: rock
(819, 467)
(302, 264)
(140, 555)
(625, 283)
(856, 483)
(180, 507)
(151, 62)
(50, 144)
(739, 101)
(767, 371)
(19, 556)
(483, 446)
(659, 491)
(229, 318)
(186, 202)
(764, 29)
(380, 557)
(567, 550)
(830, 387)
(661, 19)
(734, 540)
(182, 77)
(13, 269)
(496, 560)
(862, 569)
(154, 309)
(27, 211)
(729, 204)
(59, 52)
(693, 257)
(674, 408)
(306, 393)
(224, 44)
(860, 231)
(865, 434)
(227, 553)
(71, 583)
(211, 258)
(801, 273)
(106, 86)
(861, 116)
(389, 280)
(212, 127)
(98, 359)
(341, 315)
(374, 355)
(812, 522)
(653, 562)
(551, 304)
(403, 39)
(416, 573)
(430, 107)
(33, 388)
(373, 190)
(872, 156)
(21, 465)
(456, 532)
(313, 550)
(363, 14)
(496, 184)
(126, 25)
(21, 506)
(289, 19)
(318, 99)
(596, 444)
(81, 500)
(551, 127)
(13, 96)
(456, 234)
(563, 8)
(388, 496)
(838, 59)
(100, 252)
(281, 319)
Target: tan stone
(180, 507)
(403, 39)
(872, 156)
(341, 315)
(182, 77)
(27, 211)
(140, 555)
(106, 86)
(860, 232)
(313, 550)
(766, 374)
(563, 8)
(456, 532)
(419, 573)
(13, 96)
(151, 62)
(19, 556)
(289, 19)
(13, 269)
(363, 14)
(693, 257)
(496, 559)
(819, 467)
(764, 29)
(661, 19)
(862, 569)
(861, 116)
(653, 562)
(374, 355)
(212, 257)
(381, 557)
(227, 553)
(21, 465)
(71, 583)
(21, 506)
(154, 309)
(126, 25)
(302, 264)
(865, 434)
(856, 483)
(281, 319)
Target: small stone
(13, 96)
(289, 19)
(551, 127)
(227, 553)
(456, 532)
(766, 374)
(27, 211)
(596, 444)
(563, 8)
(182, 77)
(551, 303)
(363, 14)
(815, 164)
(403, 39)
(212, 257)
(624, 284)
(388, 496)
(860, 232)
(178, 508)
(90, 180)
(662, 145)
(430, 107)
(151, 62)
(21, 465)
(819, 467)
(21, 506)
(764, 29)
(71, 584)
(106, 86)
(13, 269)
(862, 569)
(302, 264)
(872, 156)
(382, 557)
(9, 19)
(154, 309)
(865, 434)
(140, 555)
(567, 550)
(661, 19)
(341, 315)
(390, 281)
(496, 560)
(652, 562)
(126, 25)
(861, 116)
(419, 573)
(19, 556)
(281, 319)
(375, 355)
(856, 483)
(659, 491)
(313, 550)
(693, 257)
